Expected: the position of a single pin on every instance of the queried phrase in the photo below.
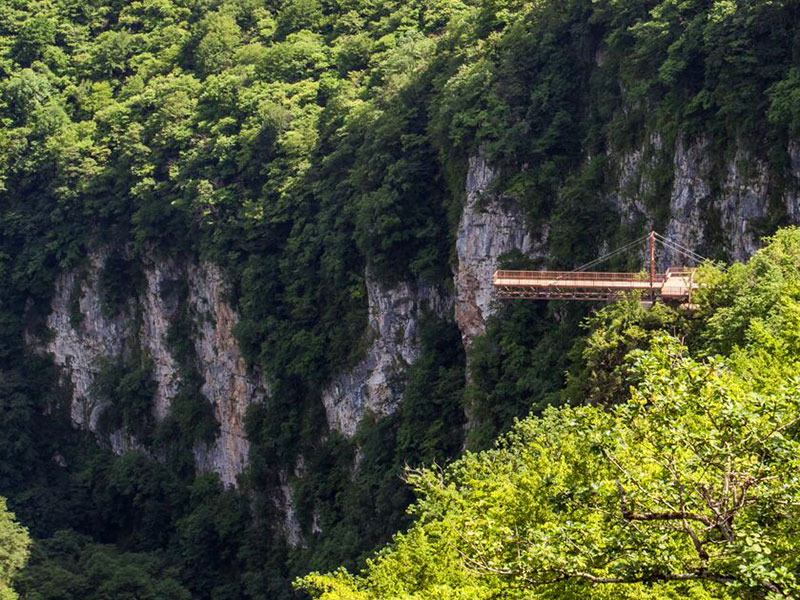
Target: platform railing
(575, 276)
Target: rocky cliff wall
(491, 225)
(709, 203)
(83, 336)
(376, 383)
(702, 210)
(227, 383)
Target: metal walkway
(675, 285)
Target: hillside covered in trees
(315, 151)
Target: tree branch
(679, 515)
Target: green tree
(14, 545)
(689, 486)
(296, 15)
(221, 36)
(68, 566)
(34, 37)
(686, 487)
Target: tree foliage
(14, 547)
(69, 566)
(688, 487)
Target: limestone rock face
(741, 201)
(157, 306)
(375, 384)
(226, 381)
(83, 337)
(491, 225)
(291, 529)
(702, 212)
(79, 346)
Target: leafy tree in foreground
(688, 488)
(14, 543)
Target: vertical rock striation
(491, 225)
(718, 205)
(376, 383)
(226, 381)
(83, 337)
(157, 306)
(793, 197)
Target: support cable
(669, 244)
(679, 247)
(681, 250)
(606, 257)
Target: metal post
(652, 265)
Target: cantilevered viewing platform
(675, 285)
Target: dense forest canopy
(301, 145)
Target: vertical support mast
(652, 241)
(652, 256)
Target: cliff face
(84, 336)
(226, 380)
(704, 207)
(700, 212)
(793, 200)
(376, 383)
(80, 340)
(491, 225)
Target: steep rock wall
(740, 202)
(793, 199)
(156, 309)
(707, 207)
(491, 225)
(226, 381)
(375, 384)
(701, 209)
(80, 345)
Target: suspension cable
(606, 257)
(678, 246)
(690, 255)
(669, 244)
(680, 249)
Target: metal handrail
(574, 276)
